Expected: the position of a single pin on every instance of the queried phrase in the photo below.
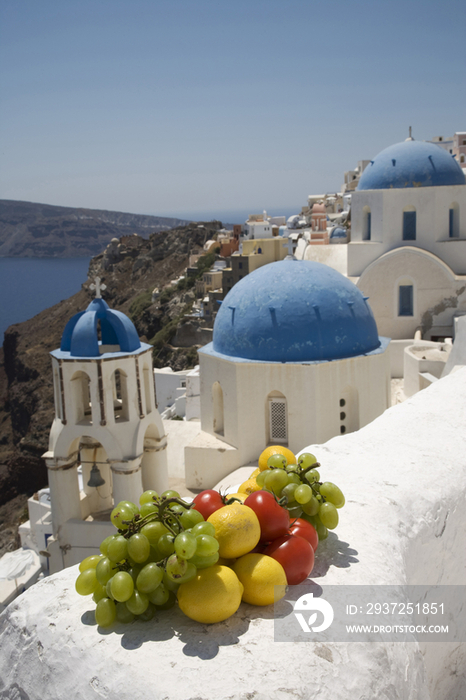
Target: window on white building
(217, 401)
(405, 300)
(454, 220)
(278, 420)
(366, 224)
(409, 225)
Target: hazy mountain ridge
(35, 230)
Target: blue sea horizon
(30, 285)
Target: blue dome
(411, 164)
(80, 337)
(338, 232)
(294, 311)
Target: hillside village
(380, 254)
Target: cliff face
(42, 230)
(130, 271)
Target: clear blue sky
(181, 107)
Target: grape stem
(165, 517)
(137, 523)
(308, 469)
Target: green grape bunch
(159, 545)
(300, 490)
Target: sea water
(30, 285)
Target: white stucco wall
(335, 256)
(457, 357)
(402, 524)
(312, 393)
(179, 434)
(167, 384)
(193, 395)
(438, 294)
(422, 359)
(432, 205)
(397, 354)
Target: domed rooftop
(294, 311)
(411, 164)
(338, 232)
(81, 335)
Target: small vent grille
(278, 427)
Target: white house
(295, 357)
(262, 226)
(177, 393)
(456, 145)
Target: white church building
(408, 240)
(107, 441)
(295, 358)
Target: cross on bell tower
(99, 288)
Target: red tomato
(207, 502)
(296, 556)
(301, 528)
(273, 519)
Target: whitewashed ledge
(405, 481)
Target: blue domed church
(408, 240)
(295, 359)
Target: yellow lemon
(237, 530)
(249, 486)
(240, 496)
(213, 595)
(255, 473)
(275, 450)
(263, 578)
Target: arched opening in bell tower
(120, 396)
(81, 393)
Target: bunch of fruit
(297, 484)
(212, 553)
(159, 545)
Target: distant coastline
(34, 230)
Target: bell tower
(107, 442)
